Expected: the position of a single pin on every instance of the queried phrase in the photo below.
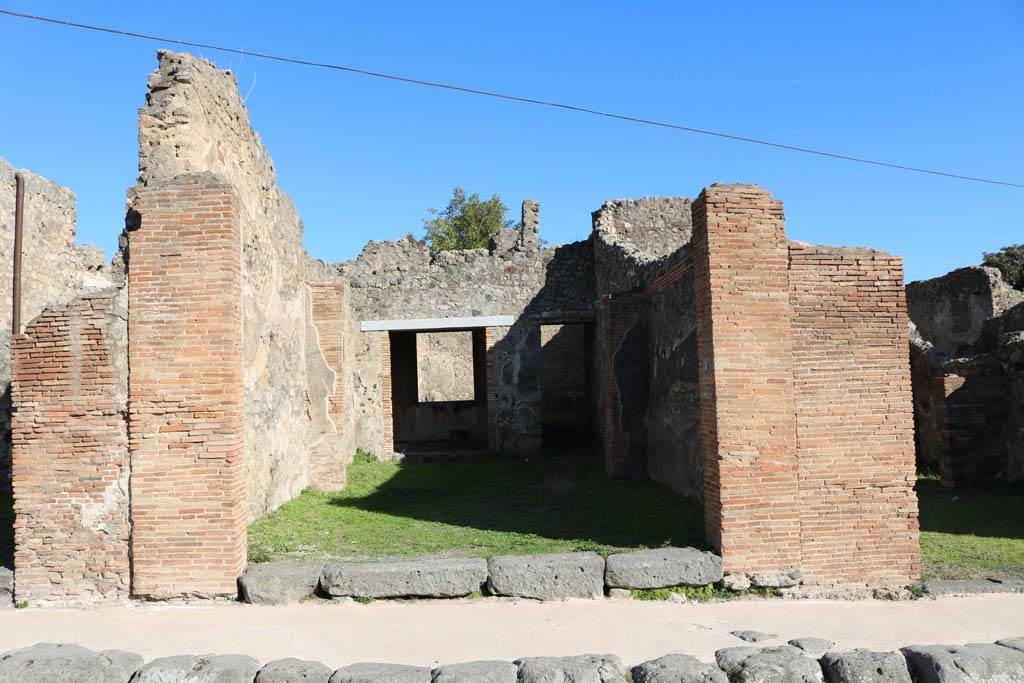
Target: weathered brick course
(70, 456)
(186, 388)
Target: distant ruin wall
(195, 121)
(54, 269)
(71, 464)
(854, 416)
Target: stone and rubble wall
(54, 270)
(71, 464)
(673, 418)
(962, 351)
(194, 121)
(854, 416)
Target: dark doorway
(566, 385)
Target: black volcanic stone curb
(1000, 662)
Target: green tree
(1010, 262)
(466, 223)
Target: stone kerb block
(865, 666)
(547, 577)
(784, 664)
(678, 669)
(381, 673)
(278, 583)
(965, 663)
(202, 669)
(448, 578)
(581, 669)
(662, 568)
(293, 670)
(49, 663)
(477, 672)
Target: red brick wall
(855, 422)
(744, 344)
(70, 459)
(186, 389)
(326, 469)
(490, 339)
(387, 408)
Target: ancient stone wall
(964, 377)
(54, 269)
(195, 121)
(444, 361)
(564, 381)
(71, 465)
(187, 410)
(673, 418)
(854, 416)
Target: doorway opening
(569, 399)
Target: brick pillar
(186, 389)
(70, 458)
(388, 448)
(744, 344)
(327, 463)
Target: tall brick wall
(744, 344)
(327, 463)
(855, 423)
(186, 389)
(70, 456)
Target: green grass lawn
(483, 506)
(971, 533)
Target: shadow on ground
(560, 494)
(971, 533)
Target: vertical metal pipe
(19, 219)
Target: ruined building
(216, 370)
(967, 361)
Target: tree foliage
(1010, 262)
(466, 223)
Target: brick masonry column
(387, 409)
(186, 389)
(490, 338)
(744, 344)
(327, 464)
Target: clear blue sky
(929, 83)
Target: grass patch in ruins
(557, 501)
(971, 533)
(701, 593)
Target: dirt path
(429, 633)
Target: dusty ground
(430, 633)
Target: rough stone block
(581, 669)
(368, 672)
(477, 672)
(292, 671)
(776, 579)
(49, 663)
(1015, 643)
(965, 663)
(279, 583)
(754, 636)
(6, 588)
(662, 568)
(678, 669)
(420, 579)
(865, 666)
(815, 647)
(201, 669)
(784, 664)
(547, 577)
(736, 582)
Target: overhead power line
(512, 98)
